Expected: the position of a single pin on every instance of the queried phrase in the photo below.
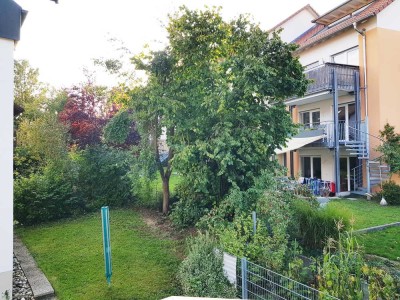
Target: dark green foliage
(121, 130)
(189, 208)
(117, 129)
(25, 162)
(201, 273)
(313, 225)
(103, 177)
(90, 179)
(391, 192)
(44, 197)
(229, 87)
(232, 222)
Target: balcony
(348, 132)
(321, 78)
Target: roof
(320, 32)
(307, 7)
(11, 18)
(341, 11)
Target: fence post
(244, 278)
(253, 214)
(364, 288)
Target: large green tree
(217, 91)
(153, 106)
(230, 81)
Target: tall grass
(315, 225)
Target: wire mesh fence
(256, 282)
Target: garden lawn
(70, 253)
(385, 243)
(367, 213)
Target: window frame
(311, 124)
(311, 157)
(347, 51)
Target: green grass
(70, 253)
(367, 213)
(385, 243)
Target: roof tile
(320, 32)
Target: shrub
(201, 273)
(26, 163)
(190, 207)
(391, 192)
(314, 225)
(44, 197)
(340, 273)
(268, 245)
(103, 176)
(86, 181)
(343, 272)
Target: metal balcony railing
(321, 77)
(348, 131)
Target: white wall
(322, 52)
(297, 25)
(6, 164)
(389, 18)
(325, 107)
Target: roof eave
(308, 45)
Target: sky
(62, 39)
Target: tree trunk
(165, 181)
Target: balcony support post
(357, 101)
(336, 129)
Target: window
(347, 57)
(310, 119)
(311, 167)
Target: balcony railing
(348, 131)
(321, 77)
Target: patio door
(347, 118)
(346, 165)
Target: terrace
(322, 78)
(321, 83)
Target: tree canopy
(230, 80)
(218, 89)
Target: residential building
(11, 18)
(351, 55)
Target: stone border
(377, 228)
(41, 287)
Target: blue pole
(105, 222)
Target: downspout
(336, 130)
(291, 156)
(363, 34)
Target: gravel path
(21, 288)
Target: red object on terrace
(333, 187)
